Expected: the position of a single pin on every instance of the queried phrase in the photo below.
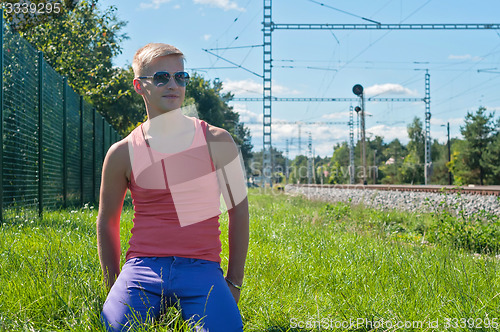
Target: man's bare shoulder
(118, 154)
(216, 134)
(120, 148)
(222, 146)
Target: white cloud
(389, 133)
(324, 137)
(154, 4)
(241, 87)
(246, 115)
(250, 86)
(223, 4)
(465, 57)
(393, 88)
(492, 108)
(207, 37)
(283, 90)
(177, 7)
(335, 116)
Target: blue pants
(147, 285)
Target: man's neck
(167, 124)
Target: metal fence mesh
(73, 170)
(87, 145)
(20, 123)
(58, 164)
(52, 137)
(99, 150)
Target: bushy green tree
(80, 44)
(412, 170)
(339, 164)
(492, 158)
(337, 174)
(456, 165)
(121, 106)
(23, 14)
(439, 155)
(279, 164)
(478, 134)
(393, 156)
(298, 170)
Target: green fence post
(40, 134)
(103, 135)
(102, 147)
(65, 143)
(1, 116)
(81, 151)
(93, 155)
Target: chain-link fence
(53, 142)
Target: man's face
(163, 98)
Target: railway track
(472, 189)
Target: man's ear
(138, 86)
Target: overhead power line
(233, 63)
(343, 11)
(234, 47)
(425, 26)
(331, 99)
(489, 70)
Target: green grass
(311, 266)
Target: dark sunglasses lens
(161, 78)
(182, 78)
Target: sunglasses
(161, 78)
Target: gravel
(402, 200)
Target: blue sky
(327, 63)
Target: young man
(176, 168)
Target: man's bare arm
(113, 190)
(233, 186)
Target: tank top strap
(204, 128)
(147, 144)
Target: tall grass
(311, 266)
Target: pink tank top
(176, 200)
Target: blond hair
(151, 51)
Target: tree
(210, 106)
(79, 44)
(456, 164)
(393, 155)
(298, 170)
(416, 145)
(413, 165)
(339, 164)
(439, 155)
(492, 157)
(321, 166)
(375, 150)
(279, 164)
(478, 134)
(23, 14)
(120, 105)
